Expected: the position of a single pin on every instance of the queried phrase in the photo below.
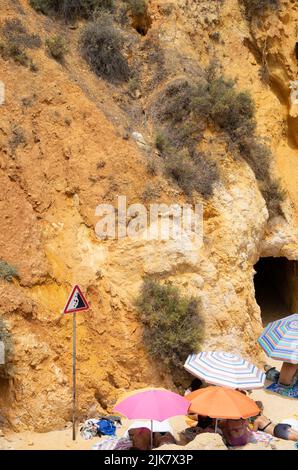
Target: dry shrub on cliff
(180, 131)
(273, 194)
(15, 52)
(137, 7)
(70, 10)
(57, 47)
(172, 324)
(15, 33)
(192, 173)
(253, 7)
(186, 108)
(100, 45)
(7, 271)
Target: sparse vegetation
(180, 131)
(192, 173)
(172, 325)
(57, 47)
(138, 7)
(15, 33)
(100, 45)
(161, 141)
(152, 166)
(15, 41)
(17, 138)
(15, 52)
(7, 271)
(151, 192)
(253, 7)
(70, 10)
(186, 108)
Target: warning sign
(76, 301)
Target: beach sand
(276, 408)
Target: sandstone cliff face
(74, 154)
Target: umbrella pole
(151, 435)
(216, 423)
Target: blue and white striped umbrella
(229, 370)
(280, 339)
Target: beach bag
(106, 427)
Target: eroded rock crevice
(276, 287)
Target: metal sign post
(74, 374)
(76, 303)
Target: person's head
(195, 384)
(235, 426)
(241, 391)
(260, 406)
(204, 421)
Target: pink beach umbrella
(155, 404)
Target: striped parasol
(280, 339)
(229, 370)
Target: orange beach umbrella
(222, 403)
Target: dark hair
(260, 405)
(204, 422)
(195, 384)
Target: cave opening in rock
(276, 287)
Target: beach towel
(291, 392)
(113, 443)
(260, 436)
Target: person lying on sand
(280, 430)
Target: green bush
(70, 10)
(56, 47)
(172, 326)
(7, 271)
(100, 45)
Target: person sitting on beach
(196, 384)
(280, 430)
(140, 438)
(288, 374)
(205, 424)
(236, 432)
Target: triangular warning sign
(76, 301)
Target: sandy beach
(276, 408)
